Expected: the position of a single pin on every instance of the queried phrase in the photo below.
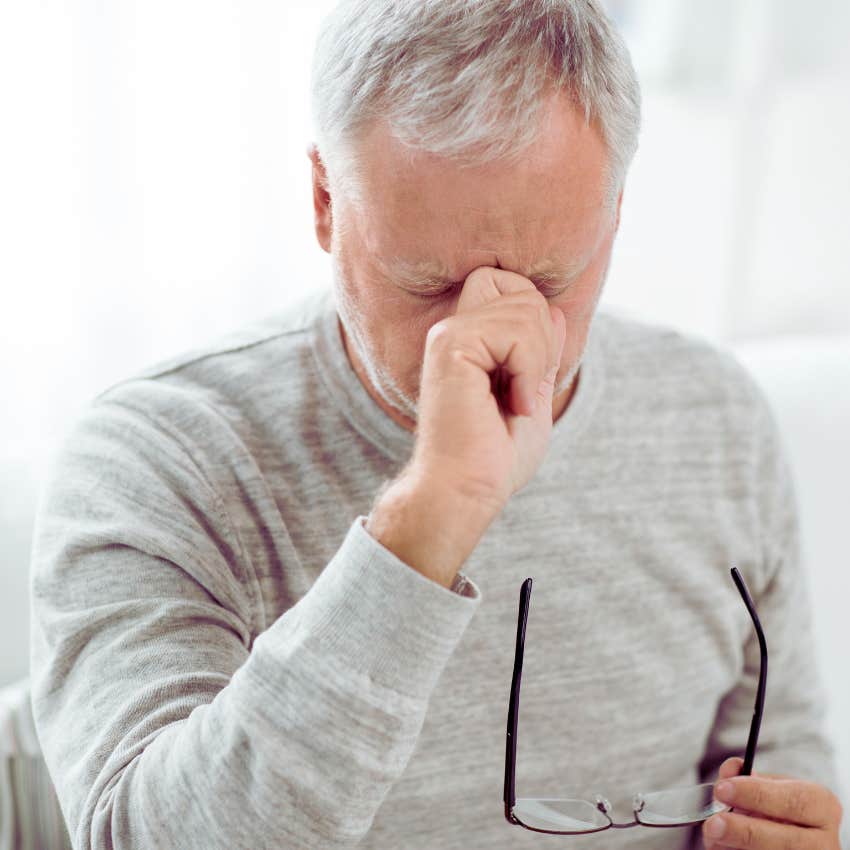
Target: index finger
(795, 801)
(486, 284)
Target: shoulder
(228, 353)
(218, 385)
(669, 366)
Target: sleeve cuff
(376, 614)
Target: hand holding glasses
(682, 806)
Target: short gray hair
(467, 80)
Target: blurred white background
(156, 192)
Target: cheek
(578, 308)
(420, 316)
(578, 303)
(397, 331)
(408, 332)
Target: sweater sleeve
(792, 738)
(164, 720)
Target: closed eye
(433, 292)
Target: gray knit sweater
(223, 657)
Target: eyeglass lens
(674, 806)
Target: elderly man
(275, 581)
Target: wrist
(429, 525)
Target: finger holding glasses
(772, 811)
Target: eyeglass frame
(513, 716)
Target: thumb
(732, 767)
(547, 385)
(560, 323)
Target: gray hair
(467, 80)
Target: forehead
(541, 213)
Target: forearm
(429, 525)
(298, 747)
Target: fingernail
(724, 791)
(715, 827)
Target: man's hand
(483, 368)
(478, 437)
(773, 812)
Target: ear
(322, 207)
(619, 205)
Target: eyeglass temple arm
(513, 706)
(758, 710)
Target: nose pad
(620, 814)
(603, 804)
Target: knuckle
(526, 315)
(457, 355)
(440, 335)
(750, 835)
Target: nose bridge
(626, 825)
(604, 806)
(502, 242)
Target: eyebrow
(425, 274)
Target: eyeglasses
(682, 806)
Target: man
(275, 582)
